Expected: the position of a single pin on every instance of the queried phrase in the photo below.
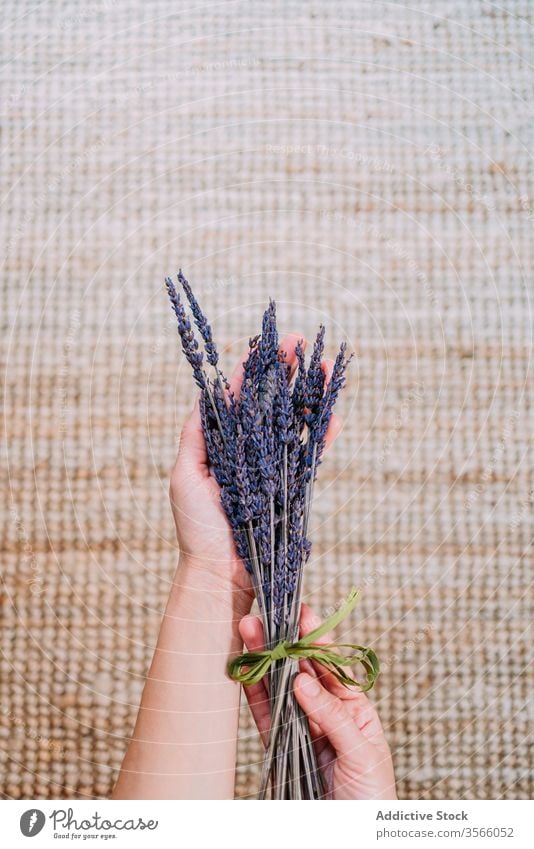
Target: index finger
(308, 621)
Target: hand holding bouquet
(265, 436)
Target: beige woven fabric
(365, 163)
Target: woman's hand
(184, 742)
(204, 535)
(352, 751)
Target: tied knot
(250, 667)
(280, 651)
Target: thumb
(331, 716)
(192, 450)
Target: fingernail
(310, 686)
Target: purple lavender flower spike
(189, 344)
(299, 387)
(321, 420)
(269, 472)
(212, 355)
(282, 405)
(334, 387)
(268, 343)
(315, 377)
(263, 533)
(241, 545)
(244, 489)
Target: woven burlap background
(367, 165)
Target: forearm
(184, 743)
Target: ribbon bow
(250, 667)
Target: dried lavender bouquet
(265, 447)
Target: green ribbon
(250, 667)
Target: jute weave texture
(367, 164)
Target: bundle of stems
(265, 447)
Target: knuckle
(337, 712)
(333, 713)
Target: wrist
(206, 592)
